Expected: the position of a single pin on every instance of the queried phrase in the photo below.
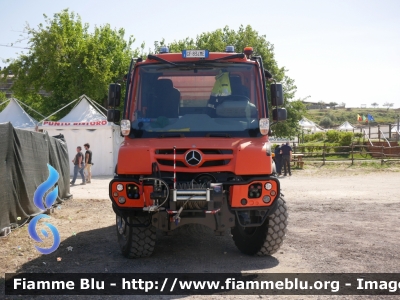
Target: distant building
(6, 86)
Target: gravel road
(340, 220)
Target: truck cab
(196, 150)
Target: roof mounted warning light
(230, 49)
(248, 51)
(164, 49)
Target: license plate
(195, 53)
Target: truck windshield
(208, 99)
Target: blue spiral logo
(49, 201)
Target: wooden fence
(354, 152)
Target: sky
(336, 51)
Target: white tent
(395, 130)
(85, 123)
(17, 116)
(346, 126)
(308, 125)
(395, 126)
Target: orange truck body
(194, 150)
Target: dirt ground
(341, 219)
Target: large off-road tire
(265, 239)
(135, 242)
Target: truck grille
(210, 157)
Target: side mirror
(276, 94)
(114, 94)
(279, 114)
(267, 74)
(113, 115)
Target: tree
(326, 122)
(246, 36)
(374, 105)
(389, 105)
(66, 61)
(3, 101)
(321, 104)
(332, 104)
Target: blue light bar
(230, 49)
(164, 49)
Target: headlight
(120, 187)
(125, 127)
(264, 126)
(121, 200)
(266, 199)
(268, 186)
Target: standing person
(88, 163)
(286, 152)
(278, 160)
(79, 165)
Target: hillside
(338, 116)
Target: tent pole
(20, 102)
(16, 101)
(96, 106)
(59, 110)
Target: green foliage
(358, 136)
(290, 127)
(318, 136)
(345, 138)
(342, 138)
(340, 115)
(246, 36)
(330, 147)
(3, 98)
(331, 116)
(326, 122)
(66, 60)
(332, 136)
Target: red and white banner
(91, 123)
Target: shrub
(346, 138)
(319, 136)
(331, 116)
(342, 149)
(332, 136)
(326, 122)
(358, 136)
(310, 148)
(307, 138)
(329, 147)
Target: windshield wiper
(171, 135)
(160, 59)
(233, 56)
(190, 66)
(238, 55)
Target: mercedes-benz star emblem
(193, 157)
